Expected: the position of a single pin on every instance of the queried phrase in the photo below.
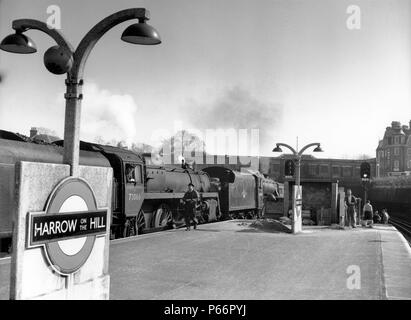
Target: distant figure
(376, 217)
(350, 202)
(385, 216)
(130, 174)
(368, 214)
(190, 200)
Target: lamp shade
(141, 33)
(18, 43)
(318, 149)
(277, 149)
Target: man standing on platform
(368, 214)
(190, 200)
(350, 202)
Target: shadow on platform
(266, 225)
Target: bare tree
(141, 148)
(183, 144)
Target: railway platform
(242, 259)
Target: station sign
(298, 196)
(68, 227)
(54, 226)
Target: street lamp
(297, 220)
(64, 59)
(297, 155)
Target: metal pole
(72, 126)
(297, 175)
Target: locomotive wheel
(262, 213)
(163, 216)
(249, 215)
(259, 213)
(134, 226)
(130, 228)
(204, 208)
(141, 222)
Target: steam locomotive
(145, 197)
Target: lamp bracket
(71, 81)
(74, 88)
(73, 96)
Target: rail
(403, 226)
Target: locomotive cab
(128, 187)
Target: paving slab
(231, 260)
(240, 260)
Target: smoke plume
(239, 109)
(107, 115)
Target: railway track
(403, 226)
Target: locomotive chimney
(396, 125)
(33, 132)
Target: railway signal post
(62, 225)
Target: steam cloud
(107, 116)
(236, 108)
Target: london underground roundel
(68, 227)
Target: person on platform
(130, 173)
(385, 216)
(190, 199)
(350, 202)
(368, 214)
(376, 217)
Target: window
(312, 169)
(276, 168)
(347, 172)
(409, 151)
(139, 174)
(133, 173)
(389, 140)
(409, 164)
(336, 171)
(396, 140)
(396, 165)
(396, 151)
(324, 170)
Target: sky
(285, 67)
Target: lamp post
(297, 198)
(62, 59)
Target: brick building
(321, 179)
(345, 171)
(394, 151)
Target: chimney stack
(33, 132)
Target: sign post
(62, 232)
(297, 222)
(342, 209)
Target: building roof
(45, 138)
